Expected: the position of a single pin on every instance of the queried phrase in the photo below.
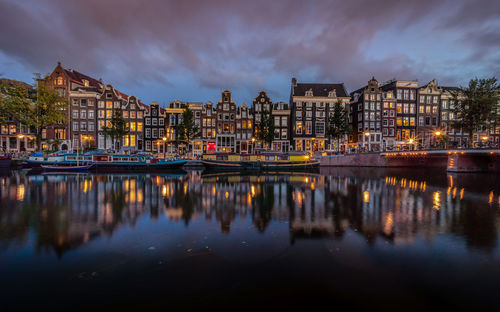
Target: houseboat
(119, 163)
(37, 159)
(263, 161)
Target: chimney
(294, 82)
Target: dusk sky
(192, 50)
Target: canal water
(353, 239)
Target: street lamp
(367, 136)
(164, 140)
(438, 136)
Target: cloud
(241, 44)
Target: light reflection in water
(393, 207)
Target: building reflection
(66, 211)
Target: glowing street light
(437, 133)
(164, 152)
(484, 138)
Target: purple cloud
(191, 50)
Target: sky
(192, 50)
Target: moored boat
(264, 161)
(119, 163)
(66, 168)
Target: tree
(187, 130)
(117, 127)
(35, 108)
(264, 130)
(476, 106)
(338, 123)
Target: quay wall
(379, 160)
(489, 162)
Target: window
(148, 145)
(125, 114)
(109, 114)
(283, 134)
(421, 109)
(308, 127)
(75, 102)
(83, 126)
(148, 132)
(148, 121)
(75, 114)
(155, 133)
(400, 94)
(161, 121)
(109, 104)
(298, 127)
(399, 108)
(91, 114)
(132, 115)
(422, 99)
(101, 124)
(109, 95)
(100, 104)
(139, 126)
(91, 126)
(75, 126)
(154, 121)
(434, 99)
(132, 126)
(140, 115)
(284, 121)
(83, 114)
(320, 128)
(298, 145)
(406, 94)
(117, 104)
(83, 102)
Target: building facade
(244, 129)
(311, 104)
(226, 123)
(281, 118)
(429, 99)
(406, 108)
(154, 125)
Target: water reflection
(63, 212)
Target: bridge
(463, 160)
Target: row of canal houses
(382, 115)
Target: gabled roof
(320, 89)
(79, 78)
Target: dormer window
(430, 90)
(60, 81)
(86, 83)
(309, 93)
(332, 93)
